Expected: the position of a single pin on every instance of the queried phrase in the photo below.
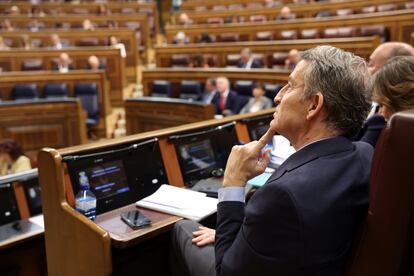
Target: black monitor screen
(120, 175)
(33, 196)
(258, 126)
(197, 156)
(200, 153)
(107, 179)
(8, 205)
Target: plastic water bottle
(85, 199)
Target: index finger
(265, 138)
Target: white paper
(38, 220)
(178, 201)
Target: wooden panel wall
(151, 114)
(43, 124)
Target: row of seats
(86, 92)
(191, 89)
(38, 43)
(35, 64)
(367, 9)
(339, 32)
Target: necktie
(222, 102)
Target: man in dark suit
(226, 102)
(247, 61)
(303, 220)
(373, 126)
(64, 63)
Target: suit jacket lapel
(312, 152)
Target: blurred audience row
(56, 42)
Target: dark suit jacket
(232, 103)
(371, 130)
(55, 67)
(302, 221)
(255, 64)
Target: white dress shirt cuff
(231, 194)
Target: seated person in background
(14, 10)
(285, 14)
(197, 61)
(3, 45)
(227, 102)
(205, 38)
(114, 42)
(104, 10)
(300, 222)
(293, 59)
(56, 43)
(64, 64)
(35, 25)
(180, 39)
(384, 52)
(259, 100)
(247, 61)
(388, 50)
(94, 63)
(272, 3)
(26, 43)
(210, 91)
(87, 25)
(184, 19)
(393, 86)
(12, 158)
(7, 25)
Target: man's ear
(315, 105)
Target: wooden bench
(148, 113)
(107, 245)
(362, 46)
(399, 23)
(8, 80)
(90, 8)
(176, 75)
(74, 38)
(301, 11)
(12, 60)
(37, 124)
(75, 21)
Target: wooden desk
(176, 75)
(41, 78)
(91, 8)
(147, 113)
(399, 23)
(302, 11)
(74, 37)
(362, 46)
(75, 21)
(12, 60)
(89, 248)
(22, 250)
(35, 125)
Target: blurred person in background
(12, 158)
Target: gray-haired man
(303, 220)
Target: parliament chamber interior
(104, 101)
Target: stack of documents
(180, 202)
(281, 150)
